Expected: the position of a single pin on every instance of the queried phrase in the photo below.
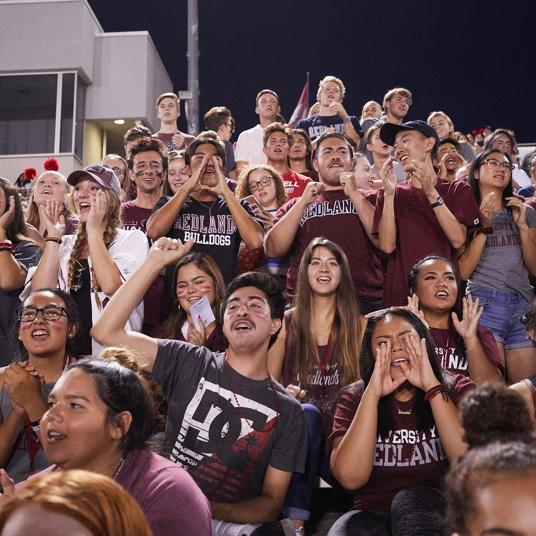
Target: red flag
(302, 108)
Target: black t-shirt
(224, 428)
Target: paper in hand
(202, 309)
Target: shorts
(502, 314)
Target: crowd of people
(199, 330)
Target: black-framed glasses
(495, 164)
(48, 312)
(263, 181)
(118, 170)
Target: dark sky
(473, 59)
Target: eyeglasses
(263, 181)
(48, 312)
(495, 163)
(118, 170)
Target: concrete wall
(127, 78)
(12, 166)
(62, 35)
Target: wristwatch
(439, 201)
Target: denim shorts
(502, 314)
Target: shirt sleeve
(530, 216)
(463, 205)
(129, 252)
(485, 336)
(290, 450)
(284, 209)
(345, 410)
(357, 125)
(460, 386)
(27, 254)
(241, 153)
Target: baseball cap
(100, 174)
(389, 131)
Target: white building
(64, 81)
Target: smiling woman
(93, 263)
(47, 327)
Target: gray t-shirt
(224, 428)
(19, 465)
(501, 263)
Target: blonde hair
(398, 91)
(113, 223)
(330, 78)
(32, 212)
(433, 115)
(95, 500)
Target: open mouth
(54, 437)
(84, 206)
(403, 158)
(324, 280)
(193, 299)
(441, 294)
(242, 325)
(39, 334)
(399, 361)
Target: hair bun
(51, 164)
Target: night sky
(473, 59)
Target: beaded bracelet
(6, 245)
(53, 239)
(434, 391)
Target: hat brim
(74, 178)
(389, 131)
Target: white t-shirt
(128, 251)
(249, 146)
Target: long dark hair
(367, 361)
(207, 264)
(346, 328)
(474, 182)
(121, 390)
(73, 317)
(16, 231)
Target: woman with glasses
(263, 188)
(93, 263)
(47, 327)
(18, 253)
(120, 167)
(499, 260)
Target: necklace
(226, 367)
(118, 470)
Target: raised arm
(354, 471)
(280, 237)
(365, 211)
(387, 229)
(161, 221)
(46, 274)
(262, 509)
(110, 327)
(12, 274)
(526, 233)
(455, 231)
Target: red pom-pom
(30, 173)
(51, 164)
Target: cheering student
(499, 260)
(238, 433)
(47, 327)
(461, 345)
(196, 275)
(99, 419)
(18, 254)
(93, 263)
(321, 352)
(395, 431)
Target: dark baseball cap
(389, 131)
(100, 174)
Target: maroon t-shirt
(325, 381)
(450, 349)
(418, 232)
(334, 216)
(295, 183)
(167, 140)
(405, 457)
(136, 218)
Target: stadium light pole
(192, 95)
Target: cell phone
(252, 202)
